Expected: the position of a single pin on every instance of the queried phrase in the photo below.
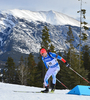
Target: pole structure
(79, 75)
(61, 83)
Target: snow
(1, 22)
(52, 17)
(7, 93)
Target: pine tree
(31, 69)
(86, 59)
(70, 39)
(52, 48)
(62, 71)
(45, 38)
(46, 43)
(9, 71)
(39, 74)
(67, 76)
(68, 57)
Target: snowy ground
(7, 93)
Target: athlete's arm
(58, 57)
(44, 63)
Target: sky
(68, 7)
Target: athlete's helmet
(43, 51)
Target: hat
(43, 51)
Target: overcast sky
(68, 7)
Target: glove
(67, 65)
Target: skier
(51, 63)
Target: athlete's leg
(56, 70)
(47, 76)
(54, 78)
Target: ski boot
(53, 87)
(46, 90)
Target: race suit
(52, 65)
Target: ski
(32, 91)
(48, 92)
(27, 91)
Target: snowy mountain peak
(51, 17)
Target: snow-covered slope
(7, 93)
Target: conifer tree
(73, 60)
(45, 38)
(23, 72)
(74, 79)
(31, 69)
(9, 71)
(39, 74)
(67, 76)
(62, 73)
(86, 59)
(52, 48)
(70, 39)
(46, 43)
(64, 76)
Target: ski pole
(79, 75)
(61, 83)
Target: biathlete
(51, 63)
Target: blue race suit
(52, 65)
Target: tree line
(31, 74)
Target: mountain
(51, 17)
(21, 31)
